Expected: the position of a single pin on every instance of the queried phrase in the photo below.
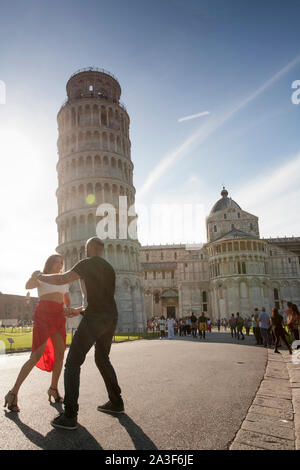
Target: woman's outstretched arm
(59, 279)
(32, 283)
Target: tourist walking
(209, 325)
(202, 325)
(292, 319)
(162, 326)
(194, 325)
(49, 333)
(279, 331)
(232, 324)
(219, 324)
(264, 324)
(255, 327)
(171, 323)
(97, 327)
(296, 323)
(188, 325)
(247, 325)
(239, 326)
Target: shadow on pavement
(57, 439)
(140, 440)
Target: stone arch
(115, 195)
(81, 252)
(103, 116)
(73, 228)
(95, 115)
(98, 193)
(110, 117)
(74, 256)
(87, 115)
(119, 260)
(126, 258)
(81, 227)
(89, 189)
(68, 238)
(67, 260)
(73, 197)
(110, 254)
(96, 139)
(97, 162)
(73, 167)
(80, 141)
(81, 195)
(91, 227)
(112, 142)
(104, 141)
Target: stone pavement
(183, 394)
(273, 419)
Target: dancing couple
(97, 327)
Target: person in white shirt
(171, 322)
(162, 326)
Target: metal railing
(94, 69)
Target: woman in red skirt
(49, 333)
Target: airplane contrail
(193, 116)
(206, 130)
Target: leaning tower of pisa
(95, 168)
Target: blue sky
(173, 58)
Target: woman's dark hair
(50, 262)
(295, 309)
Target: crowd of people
(282, 326)
(186, 326)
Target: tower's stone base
(130, 303)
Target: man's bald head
(94, 247)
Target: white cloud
(206, 130)
(274, 198)
(193, 116)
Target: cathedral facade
(235, 271)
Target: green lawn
(23, 339)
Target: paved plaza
(179, 394)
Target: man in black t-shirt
(100, 315)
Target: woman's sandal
(53, 392)
(11, 402)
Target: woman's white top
(44, 288)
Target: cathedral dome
(224, 203)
